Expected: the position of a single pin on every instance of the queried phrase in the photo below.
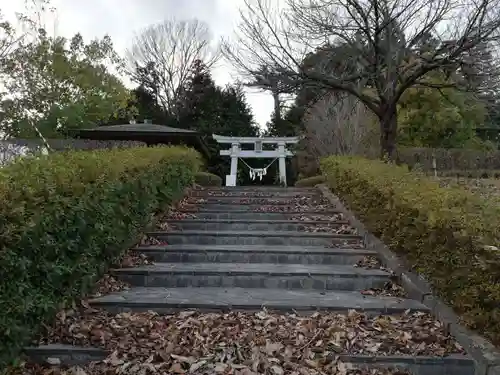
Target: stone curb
(484, 353)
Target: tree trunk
(388, 132)
(277, 106)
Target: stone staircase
(243, 251)
(247, 249)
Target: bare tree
(161, 57)
(269, 81)
(338, 124)
(8, 38)
(382, 44)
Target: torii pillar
(233, 174)
(282, 162)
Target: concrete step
(259, 225)
(168, 300)
(254, 194)
(254, 238)
(254, 254)
(249, 215)
(279, 201)
(456, 364)
(68, 355)
(259, 188)
(254, 275)
(254, 207)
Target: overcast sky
(121, 19)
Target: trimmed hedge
(448, 234)
(476, 174)
(207, 179)
(66, 217)
(310, 181)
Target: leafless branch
(338, 124)
(170, 49)
(373, 50)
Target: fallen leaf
(53, 361)
(277, 370)
(177, 369)
(197, 365)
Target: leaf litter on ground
(333, 228)
(350, 243)
(296, 208)
(191, 342)
(240, 343)
(109, 284)
(249, 194)
(297, 204)
(184, 203)
(163, 222)
(145, 368)
(289, 201)
(151, 241)
(337, 217)
(391, 288)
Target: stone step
(248, 215)
(268, 201)
(254, 254)
(168, 300)
(202, 207)
(254, 194)
(67, 355)
(456, 364)
(260, 225)
(254, 238)
(254, 275)
(258, 188)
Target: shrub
(66, 217)
(310, 181)
(208, 179)
(476, 173)
(448, 234)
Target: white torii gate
(235, 152)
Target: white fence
(11, 151)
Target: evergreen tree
(287, 126)
(143, 106)
(209, 109)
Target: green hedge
(66, 217)
(208, 179)
(310, 181)
(445, 233)
(476, 174)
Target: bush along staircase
(256, 280)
